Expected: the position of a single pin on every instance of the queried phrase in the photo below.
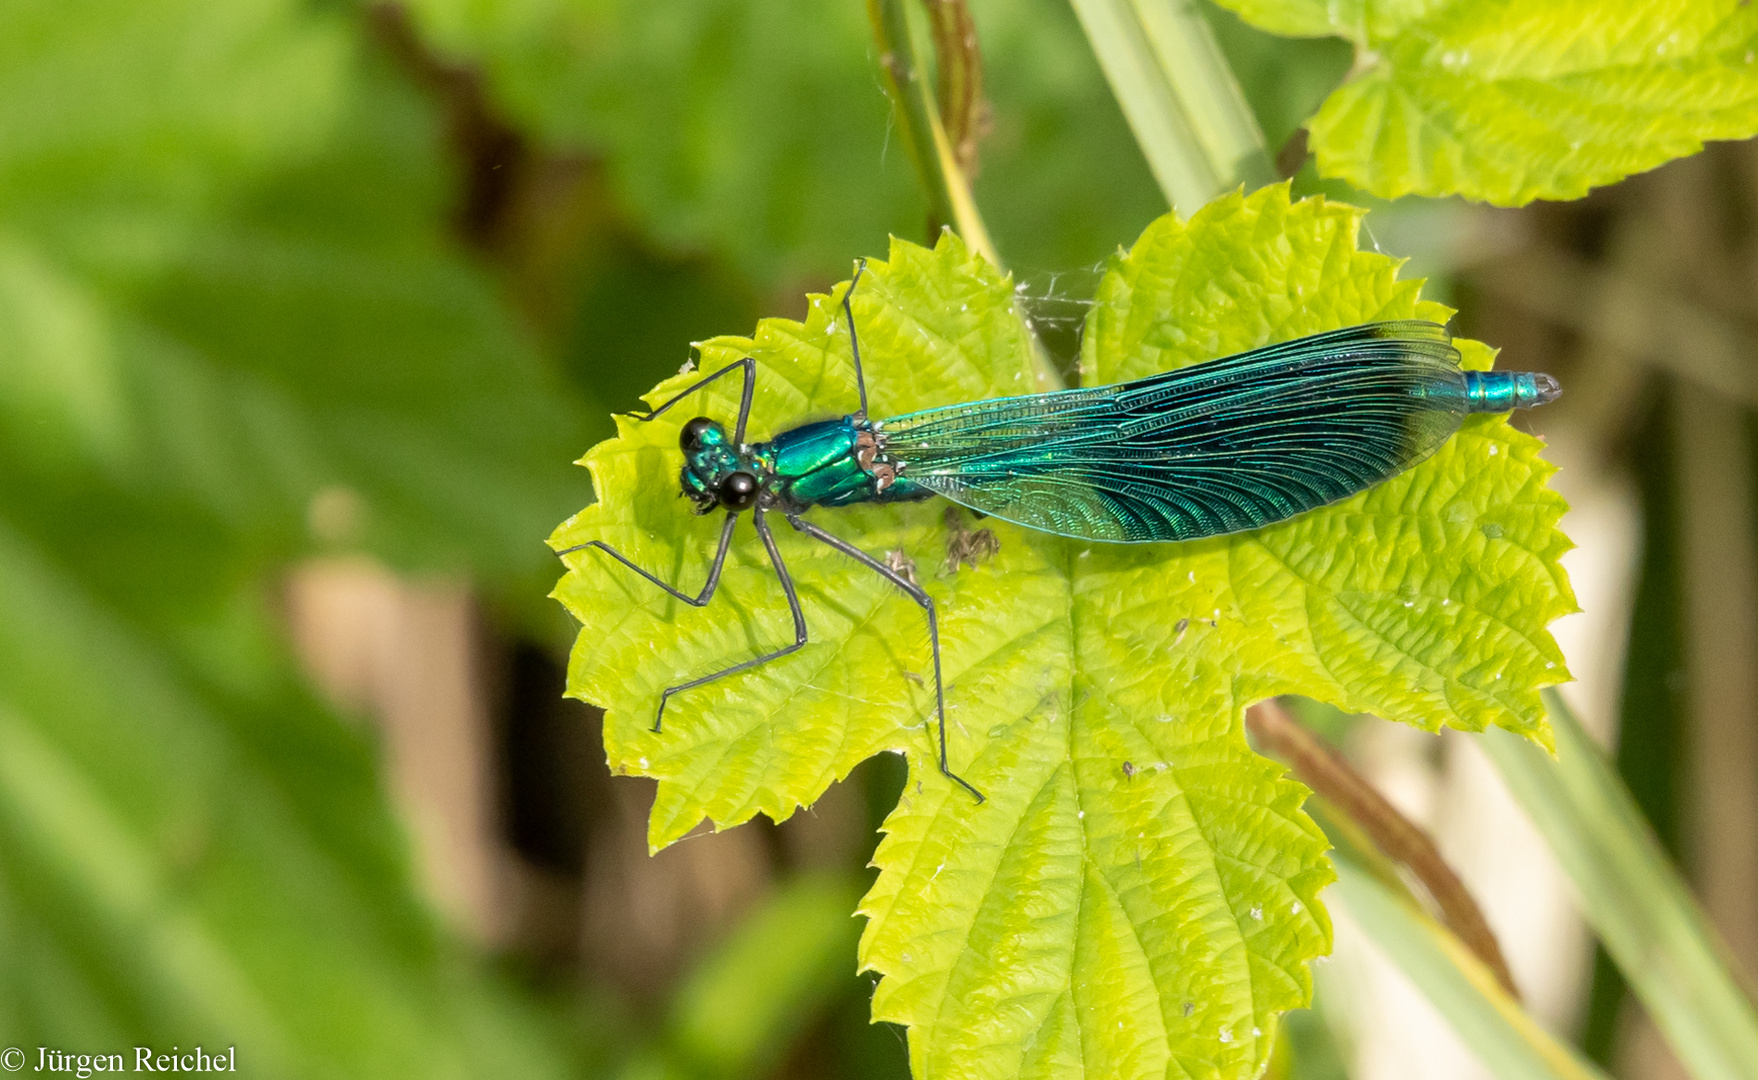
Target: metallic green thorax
(828, 463)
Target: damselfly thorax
(828, 463)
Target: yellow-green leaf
(1139, 893)
(1507, 102)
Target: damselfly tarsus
(1215, 448)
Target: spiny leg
(793, 605)
(854, 341)
(700, 599)
(921, 597)
(749, 364)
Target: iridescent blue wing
(1214, 448)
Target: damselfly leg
(854, 341)
(749, 367)
(915, 592)
(700, 599)
(920, 596)
(793, 606)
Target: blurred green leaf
(186, 863)
(254, 306)
(1636, 901)
(1506, 102)
(123, 121)
(1306, 1048)
(754, 129)
(232, 328)
(1187, 111)
(743, 1003)
(1510, 1044)
(1136, 865)
(761, 131)
(122, 124)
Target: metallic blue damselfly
(1215, 448)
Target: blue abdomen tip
(1504, 391)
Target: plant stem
(1322, 769)
(1180, 97)
(924, 134)
(1504, 1037)
(1631, 894)
(959, 78)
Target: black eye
(738, 491)
(692, 436)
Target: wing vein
(1213, 448)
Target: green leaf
(185, 863)
(225, 284)
(1507, 102)
(747, 1000)
(1139, 891)
(761, 131)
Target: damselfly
(1219, 447)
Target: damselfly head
(714, 473)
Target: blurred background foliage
(305, 308)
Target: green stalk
(1641, 908)
(1344, 799)
(1508, 1042)
(941, 160)
(923, 133)
(1180, 97)
(959, 82)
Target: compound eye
(738, 491)
(696, 432)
